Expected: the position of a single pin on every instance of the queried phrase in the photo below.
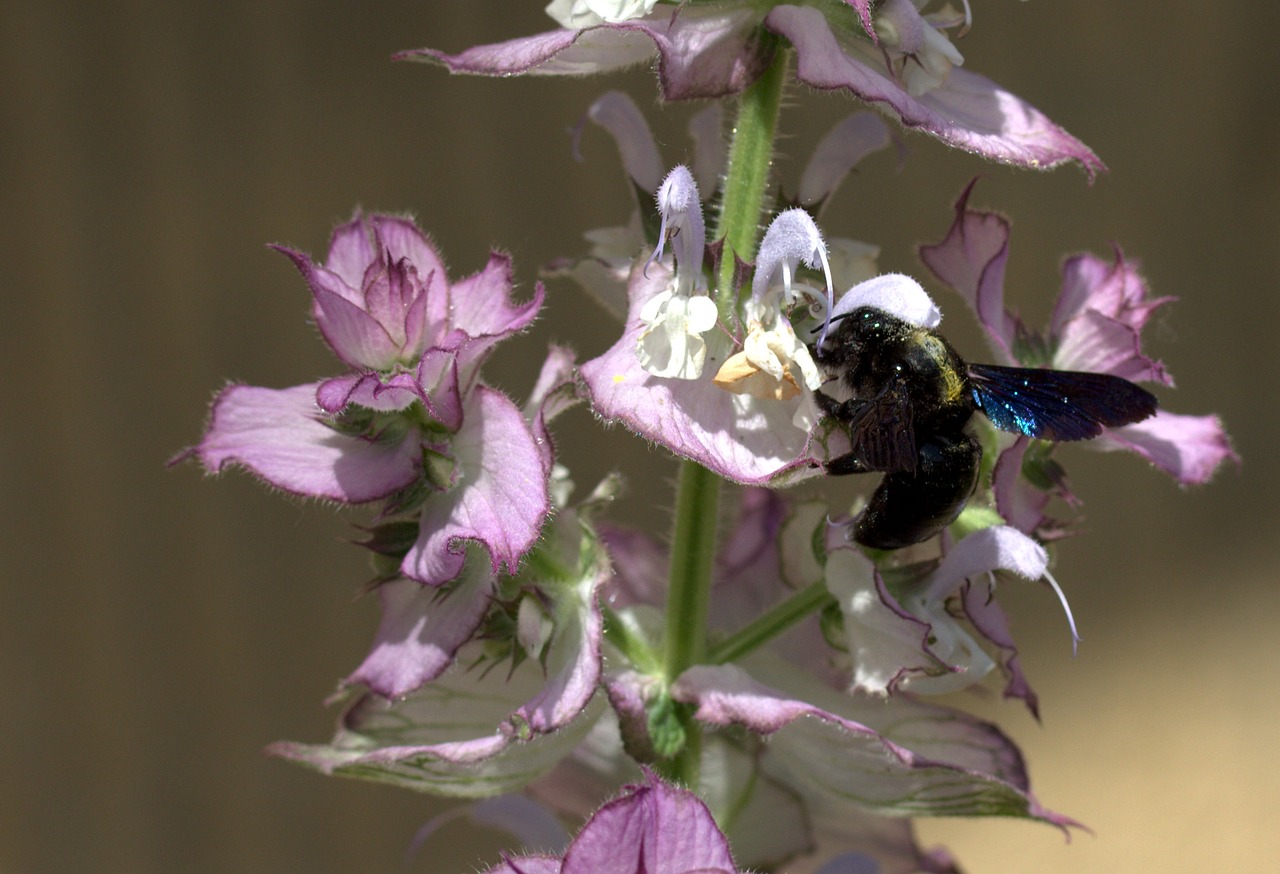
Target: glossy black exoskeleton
(912, 395)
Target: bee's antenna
(817, 328)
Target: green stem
(693, 537)
(693, 549)
(747, 179)
(693, 545)
(634, 649)
(769, 625)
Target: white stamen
(1066, 608)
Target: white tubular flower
(671, 343)
(534, 626)
(927, 54)
(586, 13)
(791, 240)
(911, 640)
(773, 363)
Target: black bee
(913, 395)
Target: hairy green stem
(747, 179)
(693, 550)
(770, 624)
(633, 648)
(693, 537)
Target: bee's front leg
(848, 463)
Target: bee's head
(893, 295)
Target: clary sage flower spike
(755, 690)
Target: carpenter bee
(912, 396)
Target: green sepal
(989, 439)
(439, 469)
(1031, 349)
(831, 621)
(1040, 468)
(973, 518)
(392, 539)
(666, 730)
(408, 499)
(362, 422)
(352, 421)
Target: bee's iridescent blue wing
(1058, 405)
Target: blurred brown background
(157, 629)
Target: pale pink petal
(982, 609)
(629, 694)
(967, 111)
(971, 260)
(655, 828)
(552, 394)
(482, 310)
(838, 152)
(909, 759)
(391, 290)
(604, 280)
(768, 824)
(968, 565)
(702, 51)
(997, 548)
(546, 398)
(705, 129)
(438, 384)
(875, 845)
(368, 390)
(618, 114)
(903, 19)
(1188, 448)
(1113, 288)
(354, 335)
(1097, 321)
(465, 719)
(528, 865)
(887, 644)
(499, 497)
(863, 8)
(640, 566)
(1100, 344)
(404, 241)
(742, 438)
(458, 736)
(573, 664)
(1019, 503)
(482, 305)
(752, 574)
(554, 53)
(280, 435)
(421, 630)
(351, 251)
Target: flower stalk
(747, 179)
(693, 537)
(484, 556)
(770, 624)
